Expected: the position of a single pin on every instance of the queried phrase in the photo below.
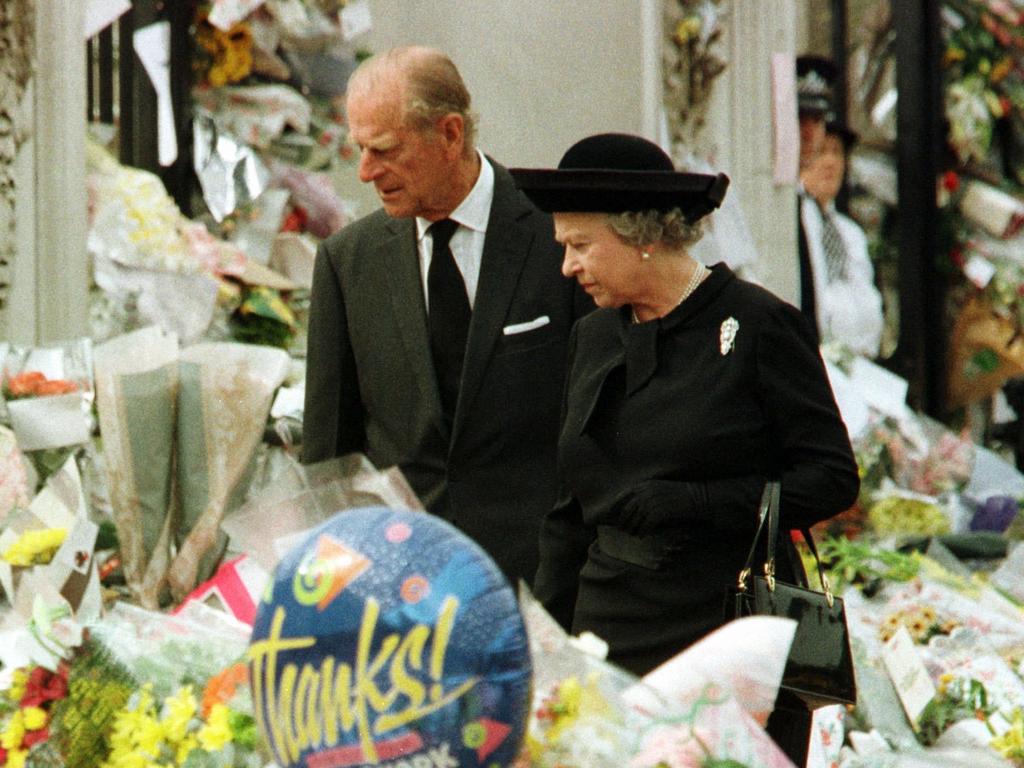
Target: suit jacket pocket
(530, 369)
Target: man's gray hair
(429, 82)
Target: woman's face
(823, 178)
(603, 264)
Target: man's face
(812, 136)
(410, 169)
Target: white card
(153, 45)
(979, 270)
(852, 405)
(908, 674)
(355, 18)
(883, 389)
(288, 401)
(100, 14)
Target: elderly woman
(686, 390)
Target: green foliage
(853, 562)
(959, 700)
(98, 688)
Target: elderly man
(439, 324)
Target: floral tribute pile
(980, 189)
(929, 565)
(96, 705)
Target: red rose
(43, 686)
(950, 181)
(35, 737)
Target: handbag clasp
(826, 587)
(742, 585)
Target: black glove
(656, 506)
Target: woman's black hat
(617, 172)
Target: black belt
(644, 551)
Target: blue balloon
(389, 638)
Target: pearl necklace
(695, 279)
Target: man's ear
(452, 130)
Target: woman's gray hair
(430, 83)
(641, 228)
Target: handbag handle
(769, 513)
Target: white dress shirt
(467, 243)
(848, 310)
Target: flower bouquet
(301, 497)
(139, 688)
(693, 711)
(48, 395)
(14, 480)
(46, 550)
(26, 711)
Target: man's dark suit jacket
(370, 383)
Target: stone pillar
(739, 134)
(61, 265)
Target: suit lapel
(398, 256)
(505, 252)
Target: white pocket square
(529, 325)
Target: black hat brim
(616, 191)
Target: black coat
(371, 388)
(663, 400)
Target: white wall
(542, 74)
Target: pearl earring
(645, 255)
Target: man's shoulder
(352, 233)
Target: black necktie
(448, 315)
(835, 251)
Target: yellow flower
(995, 106)
(185, 746)
(217, 731)
(178, 711)
(955, 54)
(1001, 69)
(19, 679)
(16, 758)
(35, 718)
(944, 680)
(688, 29)
(35, 547)
(14, 732)
(136, 737)
(1011, 744)
(892, 621)
(149, 735)
(129, 759)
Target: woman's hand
(657, 505)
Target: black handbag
(819, 670)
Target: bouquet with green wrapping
(180, 431)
